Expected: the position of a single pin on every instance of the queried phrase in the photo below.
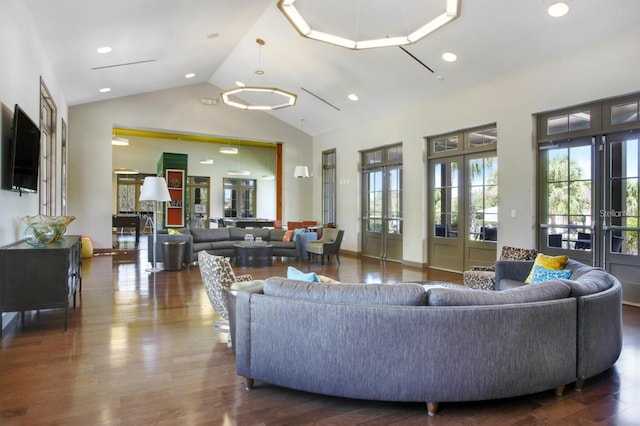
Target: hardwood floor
(141, 349)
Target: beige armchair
(327, 245)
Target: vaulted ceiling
(155, 43)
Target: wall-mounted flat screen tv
(24, 157)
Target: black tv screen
(25, 153)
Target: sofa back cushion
(209, 235)
(362, 294)
(592, 281)
(237, 234)
(549, 290)
(277, 234)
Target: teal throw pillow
(297, 232)
(295, 274)
(540, 274)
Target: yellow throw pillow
(327, 280)
(173, 232)
(555, 263)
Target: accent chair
(484, 277)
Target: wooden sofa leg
(432, 408)
(248, 383)
(559, 390)
(579, 384)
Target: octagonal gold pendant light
(258, 98)
(311, 21)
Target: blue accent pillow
(297, 232)
(294, 274)
(540, 274)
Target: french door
(382, 222)
(589, 203)
(619, 218)
(463, 237)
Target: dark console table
(127, 221)
(40, 277)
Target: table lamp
(154, 189)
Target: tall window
(63, 168)
(483, 198)
(129, 186)
(48, 117)
(329, 186)
(568, 193)
(239, 197)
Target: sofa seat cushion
(507, 283)
(221, 245)
(549, 290)
(198, 247)
(282, 245)
(364, 294)
(593, 281)
(208, 235)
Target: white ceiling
(162, 40)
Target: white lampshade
(301, 172)
(154, 189)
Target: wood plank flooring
(141, 349)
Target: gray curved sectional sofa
(220, 242)
(409, 342)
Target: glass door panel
(446, 243)
(567, 206)
(620, 216)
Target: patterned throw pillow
(550, 262)
(295, 274)
(541, 274)
(171, 231)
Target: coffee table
(253, 254)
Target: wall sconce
(301, 172)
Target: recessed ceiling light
(449, 57)
(558, 9)
(104, 49)
(206, 161)
(105, 90)
(190, 75)
(353, 96)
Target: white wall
(176, 110)
(24, 61)
(510, 101)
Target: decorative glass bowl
(58, 224)
(39, 234)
